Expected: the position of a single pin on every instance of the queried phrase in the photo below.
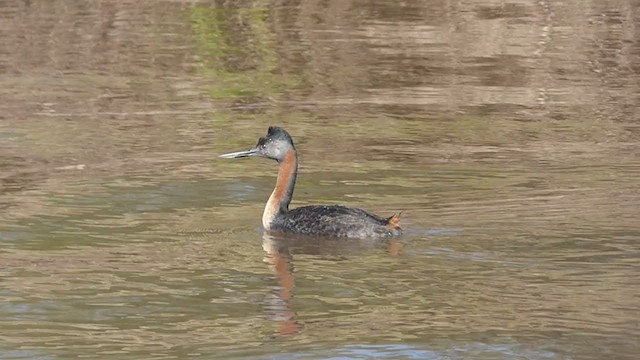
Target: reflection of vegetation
(238, 51)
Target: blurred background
(507, 131)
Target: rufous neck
(283, 192)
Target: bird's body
(335, 221)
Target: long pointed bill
(240, 154)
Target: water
(507, 132)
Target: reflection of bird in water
(280, 258)
(279, 255)
(317, 220)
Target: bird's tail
(393, 223)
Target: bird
(334, 221)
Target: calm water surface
(507, 132)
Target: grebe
(315, 220)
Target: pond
(507, 133)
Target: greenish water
(507, 133)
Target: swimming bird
(314, 220)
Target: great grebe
(315, 220)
